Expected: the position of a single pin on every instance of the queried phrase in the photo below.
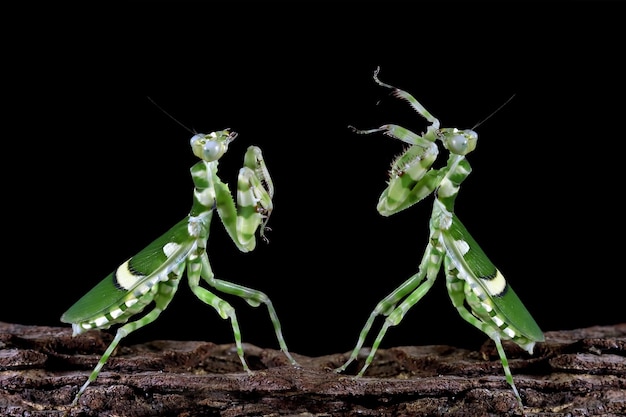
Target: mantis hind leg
(461, 295)
(164, 293)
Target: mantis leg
(460, 293)
(225, 310)
(412, 101)
(413, 289)
(162, 295)
(410, 176)
(253, 297)
(254, 201)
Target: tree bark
(579, 372)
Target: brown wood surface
(579, 372)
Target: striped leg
(254, 201)
(412, 101)
(253, 297)
(413, 289)
(411, 178)
(161, 293)
(461, 292)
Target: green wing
(158, 258)
(505, 300)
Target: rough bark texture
(578, 372)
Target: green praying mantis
(476, 287)
(151, 277)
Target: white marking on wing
(126, 279)
(496, 285)
(170, 248)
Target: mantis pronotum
(152, 276)
(476, 287)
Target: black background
(93, 171)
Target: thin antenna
(494, 112)
(170, 116)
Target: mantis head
(459, 142)
(212, 146)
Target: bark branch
(575, 372)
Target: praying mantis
(476, 287)
(152, 276)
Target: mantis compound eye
(208, 150)
(460, 142)
(212, 150)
